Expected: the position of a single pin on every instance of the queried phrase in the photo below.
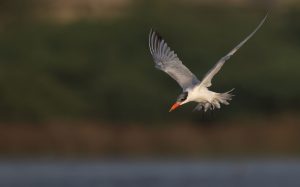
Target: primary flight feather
(193, 89)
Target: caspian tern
(193, 90)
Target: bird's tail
(223, 98)
(219, 98)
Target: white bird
(193, 90)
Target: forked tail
(220, 98)
(223, 98)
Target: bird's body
(201, 95)
(194, 90)
(207, 99)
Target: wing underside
(166, 60)
(206, 81)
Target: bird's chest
(202, 95)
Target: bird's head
(181, 99)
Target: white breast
(201, 95)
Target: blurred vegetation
(102, 69)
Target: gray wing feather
(206, 81)
(166, 60)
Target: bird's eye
(183, 97)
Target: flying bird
(193, 89)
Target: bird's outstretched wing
(166, 60)
(206, 81)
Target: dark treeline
(102, 69)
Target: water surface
(149, 173)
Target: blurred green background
(77, 78)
